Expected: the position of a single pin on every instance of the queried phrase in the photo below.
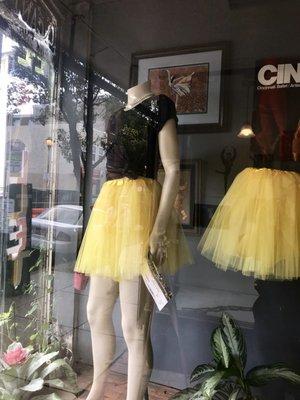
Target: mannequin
(104, 291)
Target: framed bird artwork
(196, 78)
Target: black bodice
(132, 138)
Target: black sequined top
(131, 143)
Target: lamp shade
(246, 131)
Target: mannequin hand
(157, 244)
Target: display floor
(115, 386)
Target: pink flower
(15, 354)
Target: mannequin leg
(103, 293)
(137, 336)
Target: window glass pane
(26, 170)
(165, 126)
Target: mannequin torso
(169, 154)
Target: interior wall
(129, 26)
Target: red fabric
(272, 112)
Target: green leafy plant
(45, 363)
(22, 373)
(25, 370)
(43, 334)
(225, 378)
(7, 324)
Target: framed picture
(196, 78)
(188, 198)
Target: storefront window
(127, 143)
(26, 165)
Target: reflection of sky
(7, 46)
(26, 109)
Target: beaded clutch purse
(156, 284)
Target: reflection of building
(33, 135)
(29, 91)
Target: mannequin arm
(169, 153)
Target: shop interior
(232, 69)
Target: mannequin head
(138, 92)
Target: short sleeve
(166, 111)
(114, 125)
(111, 132)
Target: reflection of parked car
(66, 221)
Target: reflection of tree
(134, 139)
(26, 86)
(29, 84)
(74, 87)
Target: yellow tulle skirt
(256, 227)
(116, 241)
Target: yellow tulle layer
(116, 240)
(256, 227)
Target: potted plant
(225, 378)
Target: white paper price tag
(155, 290)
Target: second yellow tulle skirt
(256, 227)
(116, 241)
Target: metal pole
(88, 175)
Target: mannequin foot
(94, 394)
(146, 395)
